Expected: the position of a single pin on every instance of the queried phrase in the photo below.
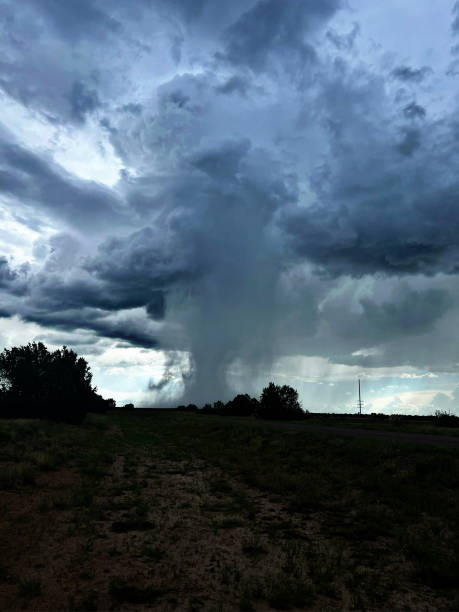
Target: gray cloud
(414, 111)
(455, 23)
(12, 279)
(408, 312)
(344, 42)
(376, 210)
(83, 100)
(156, 307)
(77, 21)
(410, 142)
(235, 84)
(7, 275)
(411, 75)
(278, 30)
(39, 183)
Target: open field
(174, 511)
(402, 424)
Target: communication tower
(360, 401)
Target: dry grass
(174, 513)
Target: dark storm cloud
(156, 307)
(244, 204)
(455, 23)
(39, 68)
(75, 20)
(223, 161)
(11, 279)
(83, 100)
(344, 42)
(69, 340)
(38, 182)
(125, 326)
(7, 275)
(235, 84)
(411, 75)
(133, 332)
(414, 111)
(410, 142)
(383, 200)
(276, 30)
(144, 261)
(408, 312)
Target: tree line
(38, 383)
(275, 402)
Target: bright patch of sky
(83, 150)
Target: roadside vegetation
(184, 511)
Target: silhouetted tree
(111, 404)
(278, 402)
(99, 404)
(35, 382)
(218, 407)
(189, 408)
(446, 419)
(241, 405)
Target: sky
(200, 197)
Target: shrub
(445, 419)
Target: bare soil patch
(193, 539)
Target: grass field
(191, 512)
(402, 425)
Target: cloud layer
(282, 190)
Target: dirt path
(395, 436)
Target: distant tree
(111, 404)
(189, 408)
(219, 407)
(444, 418)
(241, 405)
(128, 407)
(35, 382)
(99, 404)
(278, 402)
